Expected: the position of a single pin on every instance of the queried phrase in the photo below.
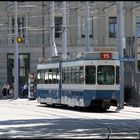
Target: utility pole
(16, 74)
(43, 41)
(52, 26)
(86, 10)
(64, 31)
(120, 47)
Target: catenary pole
(52, 26)
(120, 47)
(64, 31)
(43, 37)
(86, 10)
(16, 74)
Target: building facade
(35, 29)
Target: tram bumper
(106, 103)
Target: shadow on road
(68, 128)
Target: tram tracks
(108, 128)
(110, 131)
(104, 131)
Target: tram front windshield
(105, 75)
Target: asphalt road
(23, 118)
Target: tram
(89, 81)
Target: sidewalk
(27, 102)
(19, 101)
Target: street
(23, 118)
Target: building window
(112, 27)
(138, 26)
(21, 27)
(138, 66)
(113, 2)
(58, 27)
(58, 4)
(90, 27)
(23, 68)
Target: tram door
(23, 68)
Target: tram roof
(101, 55)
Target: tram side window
(46, 77)
(73, 75)
(50, 76)
(41, 76)
(38, 76)
(66, 76)
(90, 74)
(117, 75)
(77, 75)
(55, 76)
(69, 74)
(81, 74)
(63, 76)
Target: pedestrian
(11, 91)
(109, 78)
(4, 91)
(100, 78)
(7, 90)
(25, 90)
(34, 91)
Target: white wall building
(34, 26)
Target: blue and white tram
(89, 81)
